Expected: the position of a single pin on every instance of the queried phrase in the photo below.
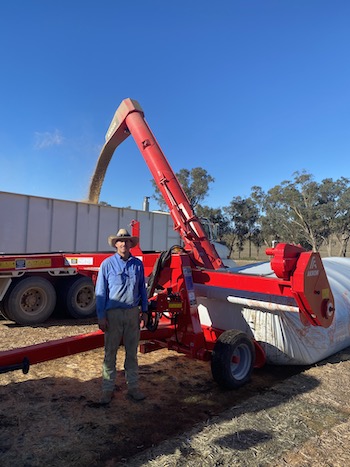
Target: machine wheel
(233, 359)
(80, 298)
(30, 301)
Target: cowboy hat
(122, 234)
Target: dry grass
(285, 416)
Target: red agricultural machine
(197, 305)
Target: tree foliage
(194, 182)
(300, 211)
(216, 217)
(304, 211)
(243, 214)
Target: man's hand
(143, 319)
(103, 324)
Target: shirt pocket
(131, 276)
(116, 278)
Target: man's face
(123, 247)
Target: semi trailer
(44, 242)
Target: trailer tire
(3, 312)
(31, 300)
(80, 299)
(232, 359)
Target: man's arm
(144, 299)
(101, 293)
(143, 291)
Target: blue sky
(250, 90)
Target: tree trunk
(343, 244)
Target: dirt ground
(285, 416)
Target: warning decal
(87, 261)
(23, 263)
(313, 268)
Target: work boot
(106, 397)
(136, 394)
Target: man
(120, 292)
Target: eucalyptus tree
(343, 232)
(306, 212)
(244, 215)
(273, 226)
(194, 182)
(340, 222)
(217, 218)
(224, 230)
(293, 213)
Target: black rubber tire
(4, 311)
(31, 300)
(4, 308)
(3, 314)
(232, 359)
(80, 298)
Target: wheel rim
(241, 361)
(84, 297)
(33, 301)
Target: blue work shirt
(120, 284)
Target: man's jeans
(122, 324)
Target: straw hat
(122, 234)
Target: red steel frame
(187, 335)
(51, 263)
(300, 274)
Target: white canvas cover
(284, 338)
(288, 342)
